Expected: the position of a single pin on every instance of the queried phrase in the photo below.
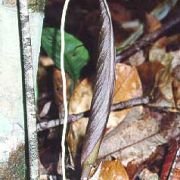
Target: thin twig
(163, 108)
(74, 117)
(147, 40)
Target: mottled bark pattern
(14, 2)
(29, 97)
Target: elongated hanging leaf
(103, 89)
(76, 55)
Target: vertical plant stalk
(103, 92)
(31, 145)
(64, 88)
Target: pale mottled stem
(31, 145)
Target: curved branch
(44, 125)
(147, 40)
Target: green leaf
(76, 55)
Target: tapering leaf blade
(103, 88)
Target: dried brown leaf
(147, 72)
(152, 23)
(113, 170)
(133, 138)
(167, 87)
(57, 82)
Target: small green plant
(76, 55)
